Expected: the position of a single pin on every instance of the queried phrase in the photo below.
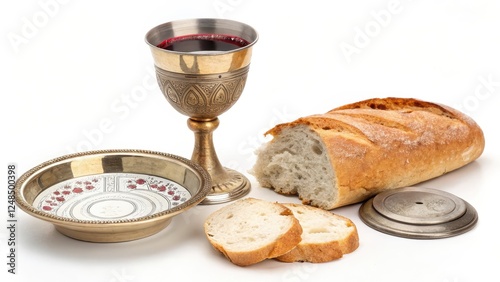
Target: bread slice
(358, 150)
(326, 236)
(251, 230)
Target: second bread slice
(326, 236)
(252, 230)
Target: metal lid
(418, 213)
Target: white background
(77, 75)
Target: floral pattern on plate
(111, 196)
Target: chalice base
(235, 186)
(227, 184)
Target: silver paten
(418, 213)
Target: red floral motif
(77, 190)
(170, 189)
(69, 189)
(65, 192)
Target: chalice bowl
(201, 67)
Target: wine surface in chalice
(203, 43)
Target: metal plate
(419, 213)
(112, 195)
(412, 205)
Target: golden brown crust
(315, 253)
(280, 246)
(380, 144)
(351, 243)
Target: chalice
(201, 67)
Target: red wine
(203, 43)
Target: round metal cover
(418, 213)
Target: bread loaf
(326, 236)
(355, 151)
(251, 230)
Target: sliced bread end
(326, 236)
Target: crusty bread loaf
(353, 152)
(326, 236)
(251, 230)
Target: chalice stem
(204, 152)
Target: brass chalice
(201, 67)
